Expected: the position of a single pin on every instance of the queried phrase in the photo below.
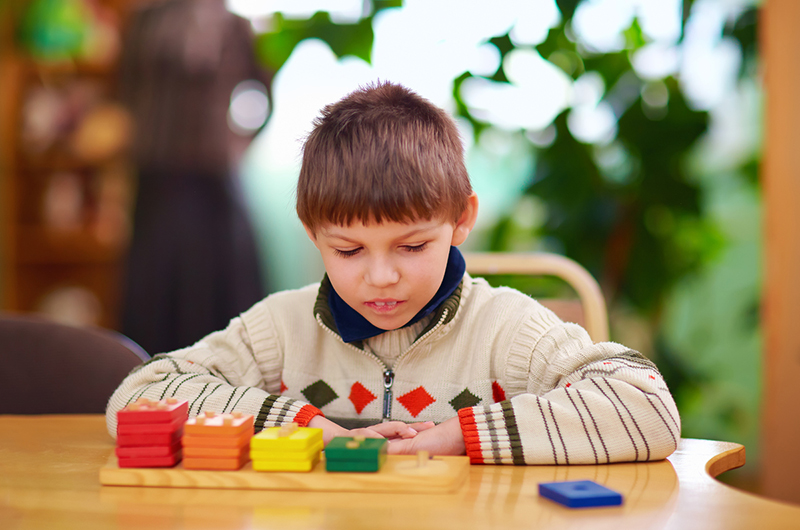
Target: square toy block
(136, 440)
(148, 411)
(286, 465)
(151, 428)
(220, 464)
(150, 461)
(580, 494)
(286, 438)
(351, 454)
(214, 452)
(218, 441)
(211, 424)
(146, 451)
(286, 456)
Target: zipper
(388, 373)
(388, 381)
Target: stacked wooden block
(357, 454)
(217, 441)
(149, 433)
(286, 448)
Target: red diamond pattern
(360, 396)
(416, 400)
(284, 388)
(497, 392)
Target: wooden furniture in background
(590, 308)
(50, 467)
(780, 473)
(64, 184)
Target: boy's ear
(466, 222)
(311, 235)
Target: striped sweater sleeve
(583, 403)
(220, 373)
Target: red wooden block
(147, 450)
(242, 439)
(134, 440)
(151, 428)
(151, 461)
(148, 411)
(210, 424)
(222, 464)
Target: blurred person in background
(192, 264)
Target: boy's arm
(606, 404)
(585, 404)
(220, 373)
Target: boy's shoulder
(479, 291)
(505, 305)
(286, 302)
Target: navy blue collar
(354, 327)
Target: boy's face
(388, 272)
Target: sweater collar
(354, 328)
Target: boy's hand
(443, 439)
(397, 430)
(392, 429)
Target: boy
(397, 341)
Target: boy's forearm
(205, 390)
(613, 410)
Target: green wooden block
(347, 454)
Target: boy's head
(382, 153)
(383, 194)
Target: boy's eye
(346, 253)
(416, 248)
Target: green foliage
(275, 47)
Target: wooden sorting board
(399, 474)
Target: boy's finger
(367, 433)
(400, 447)
(395, 429)
(422, 426)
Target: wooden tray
(399, 474)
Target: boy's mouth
(383, 306)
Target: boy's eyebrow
(406, 235)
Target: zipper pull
(388, 381)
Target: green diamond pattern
(465, 400)
(319, 394)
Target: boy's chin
(387, 323)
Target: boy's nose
(382, 273)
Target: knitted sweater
(527, 387)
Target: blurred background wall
(625, 134)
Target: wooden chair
(589, 310)
(51, 368)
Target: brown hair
(382, 153)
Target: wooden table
(49, 468)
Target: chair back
(589, 310)
(51, 368)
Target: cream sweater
(528, 388)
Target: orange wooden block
(221, 464)
(214, 452)
(241, 440)
(211, 424)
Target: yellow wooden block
(286, 465)
(292, 456)
(280, 439)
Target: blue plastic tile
(580, 494)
